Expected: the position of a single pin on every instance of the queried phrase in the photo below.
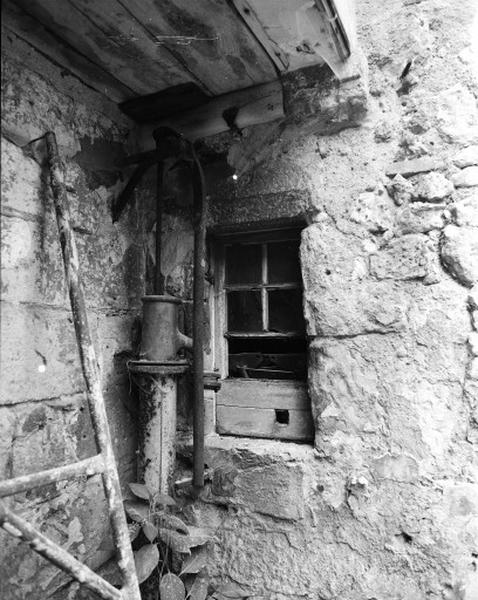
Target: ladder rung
(18, 527)
(88, 466)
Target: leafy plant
(170, 545)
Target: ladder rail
(20, 528)
(103, 463)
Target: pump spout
(184, 341)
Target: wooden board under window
(254, 408)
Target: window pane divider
(255, 287)
(264, 300)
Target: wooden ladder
(102, 463)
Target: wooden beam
(247, 14)
(255, 105)
(28, 29)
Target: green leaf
(171, 588)
(195, 562)
(198, 589)
(150, 531)
(175, 540)
(199, 536)
(140, 491)
(172, 522)
(164, 500)
(138, 511)
(146, 560)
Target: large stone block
(259, 483)
(402, 258)
(419, 217)
(339, 298)
(39, 354)
(459, 253)
(465, 212)
(467, 157)
(433, 187)
(467, 177)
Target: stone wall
(44, 419)
(385, 506)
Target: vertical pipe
(91, 373)
(158, 278)
(200, 209)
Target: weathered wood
(105, 34)
(246, 12)
(27, 28)
(88, 466)
(21, 529)
(259, 104)
(199, 224)
(305, 34)
(257, 393)
(91, 372)
(262, 422)
(208, 39)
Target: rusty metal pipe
(200, 208)
(158, 277)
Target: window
(261, 346)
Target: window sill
(282, 449)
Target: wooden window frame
(255, 403)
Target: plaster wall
(385, 505)
(44, 419)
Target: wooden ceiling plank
(247, 14)
(136, 44)
(63, 20)
(31, 31)
(208, 38)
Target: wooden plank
(245, 11)
(208, 39)
(255, 422)
(258, 393)
(304, 33)
(106, 34)
(259, 104)
(31, 31)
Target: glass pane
(285, 311)
(244, 312)
(283, 262)
(243, 263)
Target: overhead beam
(252, 106)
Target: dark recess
(157, 106)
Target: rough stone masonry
(384, 506)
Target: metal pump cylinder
(161, 339)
